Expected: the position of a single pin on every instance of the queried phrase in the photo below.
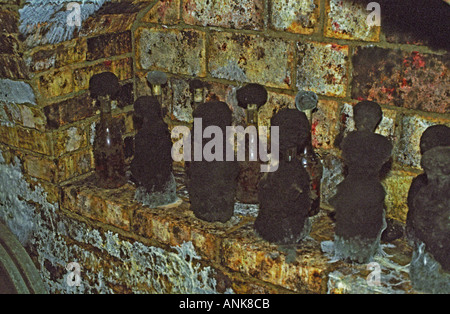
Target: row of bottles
(151, 168)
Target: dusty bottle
(108, 143)
(307, 102)
(284, 195)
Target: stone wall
(47, 121)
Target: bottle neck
(156, 90)
(308, 114)
(105, 107)
(198, 97)
(308, 145)
(252, 115)
(157, 93)
(290, 153)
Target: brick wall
(53, 135)
(48, 117)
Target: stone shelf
(234, 246)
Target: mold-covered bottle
(430, 264)
(284, 195)
(433, 136)
(212, 181)
(359, 201)
(151, 167)
(428, 210)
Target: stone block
(142, 86)
(404, 79)
(322, 68)
(8, 44)
(172, 227)
(70, 52)
(232, 250)
(251, 58)
(303, 269)
(8, 135)
(16, 92)
(347, 20)
(179, 96)
(388, 124)
(107, 23)
(56, 56)
(397, 185)
(9, 22)
(164, 12)
(112, 207)
(399, 37)
(172, 50)
(22, 114)
(75, 164)
(407, 149)
(324, 126)
(12, 2)
(36, 141)
(108, 45)
(51, 189)
(297, 16)
(122, 68)
(245, 14)
(55, 83)
(40, 167)
(13, 67)
(46, 24)
(248, 286)
(41, 60)
(70, 110)
(32, 117)
(71, 139)
(424, 24)
(128, 124)
(354, 279)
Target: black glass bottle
(306, 102)
(250, 97)
(108, 143)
